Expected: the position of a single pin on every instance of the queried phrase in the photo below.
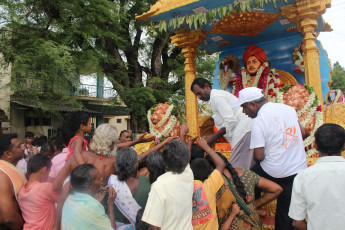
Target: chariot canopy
(287, 30)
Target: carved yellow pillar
(189, 41)
(305, 14)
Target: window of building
(118, 120)
(105, 120)
(27, 121)
(46, 121)
(36, 121)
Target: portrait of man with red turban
(256, 72)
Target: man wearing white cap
(233, 124)
(276, 138)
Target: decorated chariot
(294, 68)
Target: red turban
(256, 51)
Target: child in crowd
(206, 185)
(78, 124)
(37, 197)
(29, 151)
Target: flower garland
(154, 129)
(166, 116)
(265, 79)
(309, 140)
(272, 87)
(308, 116)
(246, 78)
(313, 106)
(307, 106)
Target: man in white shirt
(233, 124)
(170, 202)
(318, 191)
(276, 138)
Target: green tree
(54, 42)
(338, 77)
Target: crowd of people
(181, 183)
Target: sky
(334, 42)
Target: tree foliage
(53, 42)
(338, 77)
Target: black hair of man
(196, 152)
(176, 156)
(37, 162)
(201, 169)
(155, 165)
(139, 224)
(58, 142)
(29, 134)
(201, 83)
(126, 163)
(5, 142)
(330, 139)
(47, 149)
(82, 176)
(42, 140)
(122, 133)
(261, 100)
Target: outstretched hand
(202, 143)
(143, 139)
(184, 129)
(192, 139)
(190, 142)
(170, 139)
(209, 139)
(112, 194)
(101, 194)
(235, 209)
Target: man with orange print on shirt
(278, 146)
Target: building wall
(120, 122)
(5, 94)
(17, 122)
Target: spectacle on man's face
(253, 64)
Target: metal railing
(91, 91)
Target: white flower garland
(309, 140)
(167, 129)
(246, 81)
(307, 105)
(280, 97)
(166, 116)
(308, 117)
(246, 78)
(169, 126)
